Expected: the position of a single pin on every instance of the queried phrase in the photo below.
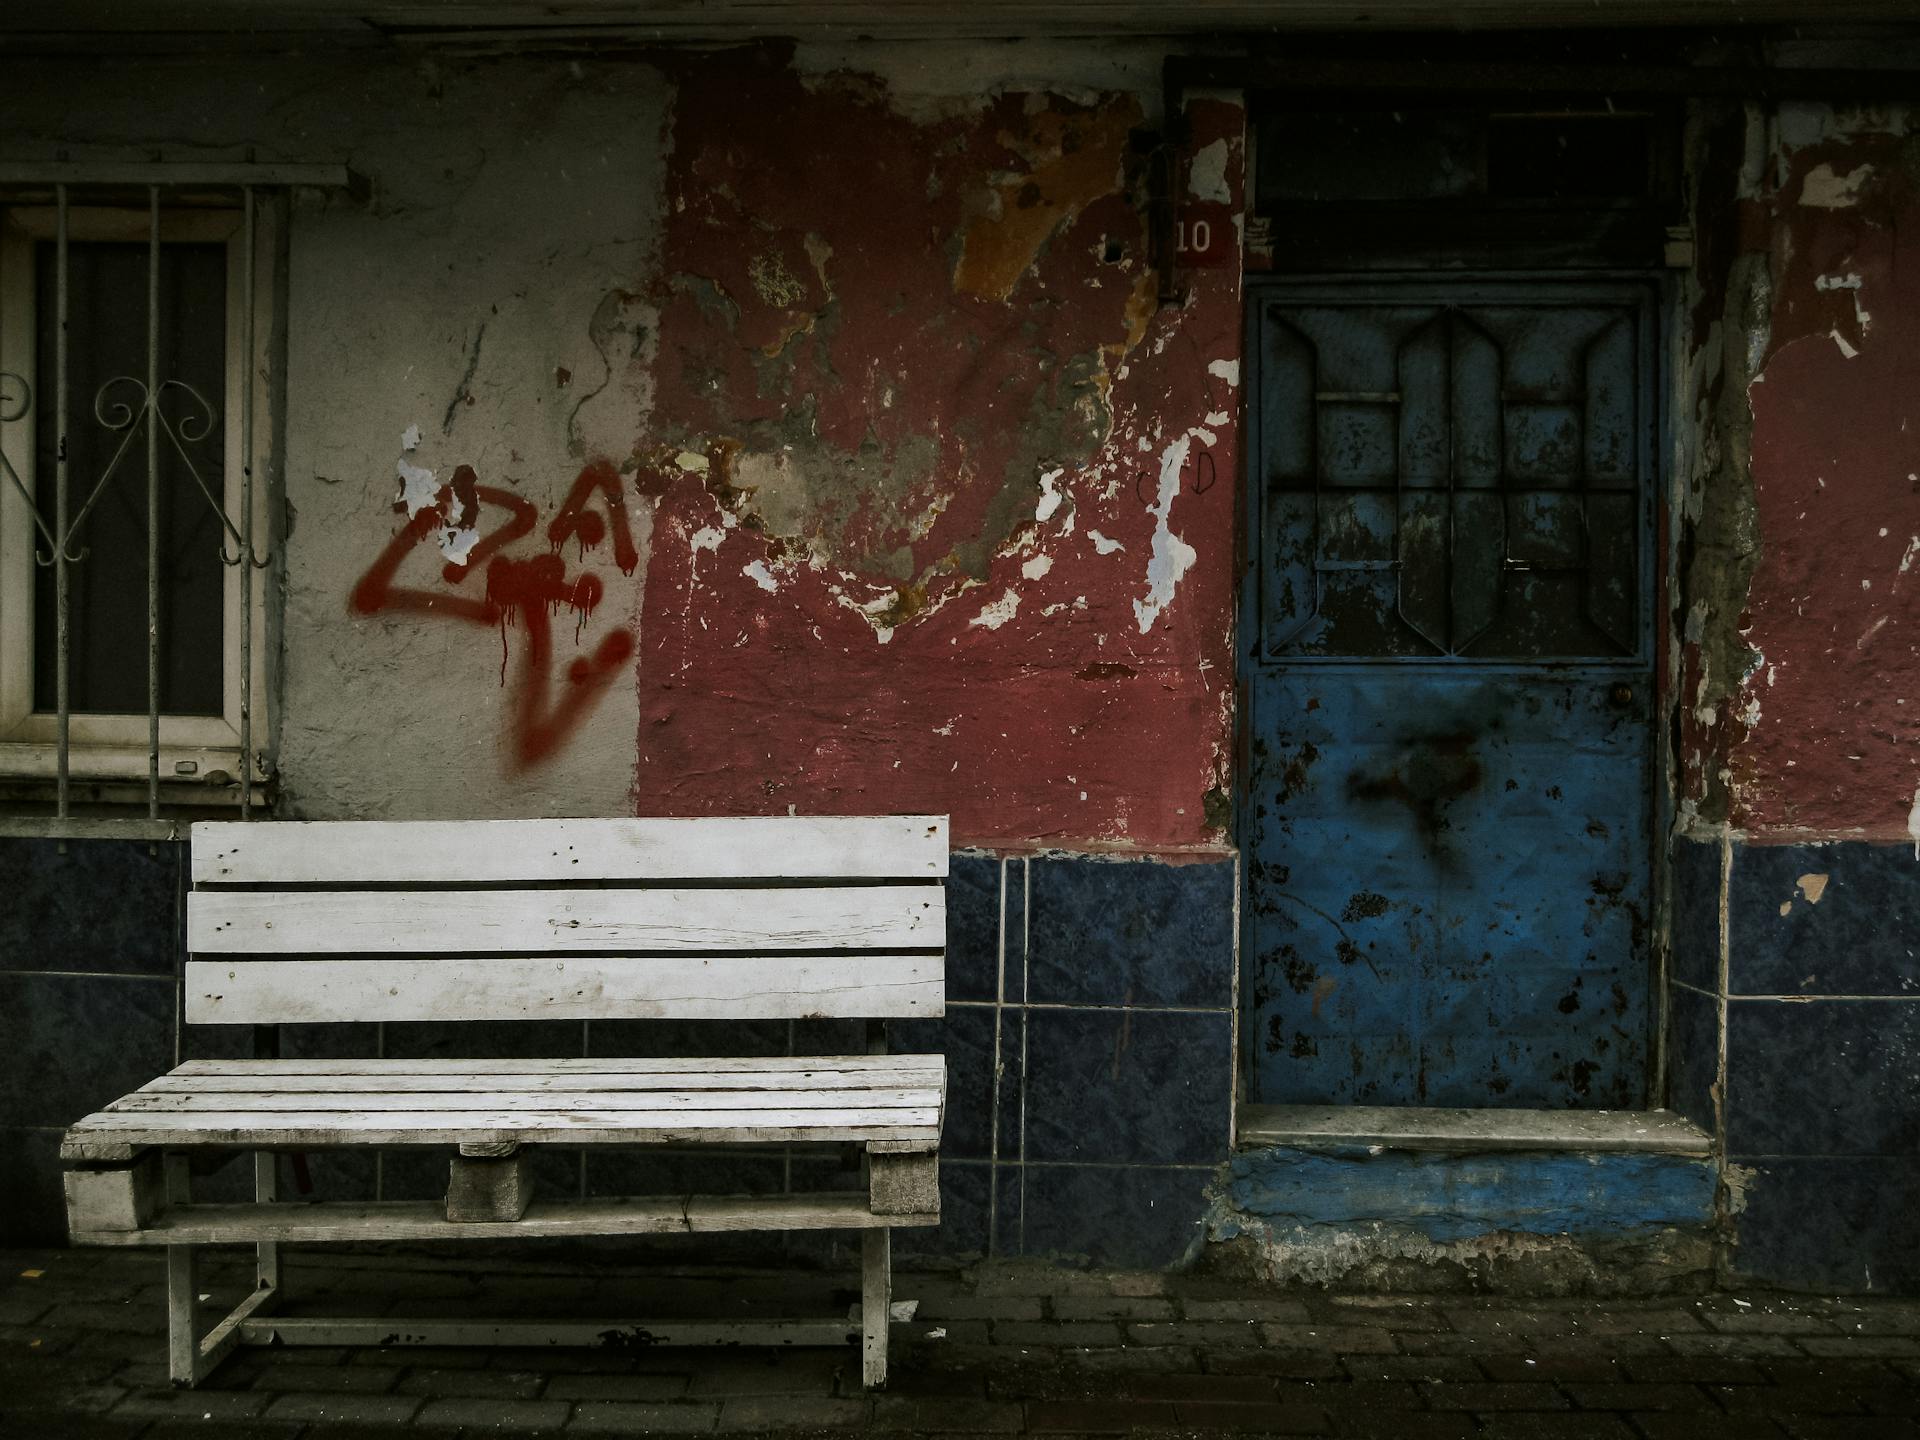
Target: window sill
(1391, 1127)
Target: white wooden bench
(711, 919)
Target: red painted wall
(1832, 734)
(922, 444)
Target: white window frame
(114, 747)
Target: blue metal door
(1448, 819)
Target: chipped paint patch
(1207, 174)
(418, 488)
(1227, 370)
(1812, 886)
(410, 438)
(1036, 567)
(758, 572)
(999, 612)
(1171, 556)
(1103, 545)
(1824, 190)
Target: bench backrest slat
(774, 918)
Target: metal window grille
(145, 422)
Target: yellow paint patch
(1813, 887)
(1073, 158)
(31, 1274)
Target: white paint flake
(693, 462)
(1227, 370)
(1913, 550)
(456, 542)
(410, 438)
(1841, 340)
(1207, 173)
(757, 572)
(1102, 545)
(1171, 556)
(1850, 282)
(417, 488)
(1913, 823)
(1825, 190)
(1037, 566)
(999, 612)
(707, 537)
(1050, 498)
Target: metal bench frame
(781, 917)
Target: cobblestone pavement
(1028, 1351)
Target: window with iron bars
(137, 388)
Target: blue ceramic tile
(1695, 939)
(33, 1209)
(973, 927)
(1693, 1053)
(1140, 1085)
(1018, 882)
(70, 1044)
(1013, 1074)
(1861, 937)
(668, 1170)
(110, 905)
(1008, 1198)
(1132, 932)
(1131, 1216)
(1831, 1225)
(965, 1036)
(961, 1234)
(1823, 1077)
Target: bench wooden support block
(117, 1197)
(488, 1187)
(904, 1184)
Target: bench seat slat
(780, 847)
(536, 922)
(534, 1102)
(745, 1083)
(319, 1130)
(564, 1065)
(580, 987)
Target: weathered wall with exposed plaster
(1799, 503)
(728, 431)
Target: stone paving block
(1889, 1347)
(615, 1387)
(791, 1412)
(1625, 1396)
(1053, 1333)
(1236, 1389)
(1392, 1395)
(109, 1315)
(1589, 1369)
(23, 1308)
(628, 1417)
(223, 1430)
(1508, 1321)
(1111, 1307)
(1339, 1339)
(1675, 1426)
(1850, 1427)
(933, 1332)
(1785, 1399)
(1294, 1312)
(1281, 1363)
(1764, 1320)
(1453, 1425)
(1396, 1312)
(329, 1379)
(1741, 1347)
(1099, 1416)
(1194, 1332)
(506, 1384)
(1666, 1321)
(198, 1404)
(921, 1415)
(434, 1357)
(1488, 1396)
(1268, 1418)
(1698, 1370)
(494, 1413)
(1556, 1427)
(1883, 1317)
(1134, 1360)
(1891, 1400)
(43, 1425)
(348, 1409)
(790, 1372)
(1413, 1367)
(1843, 1370)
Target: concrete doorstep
(1004, 1350)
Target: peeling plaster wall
(1800, 667)
(945, 501)
(472, 304)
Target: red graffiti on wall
(524, 591)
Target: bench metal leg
(876, 1306)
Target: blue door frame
(1448, 798)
